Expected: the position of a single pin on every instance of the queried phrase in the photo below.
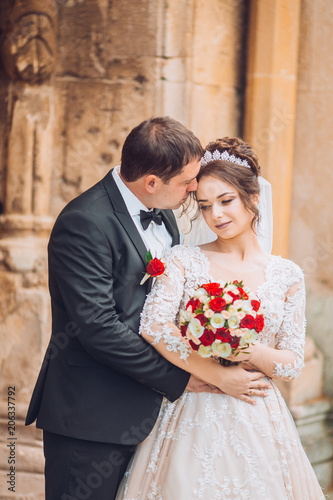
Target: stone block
(315, 254)
(23, 337)
(175, 70)
(275, 24)
(308, 385)
(316, 73)
(177, 27)
(104, 31)
(311, 421)
(29, 458)
(218, 43)
(318, 312)
(96, 118)
(29, 487)
(22, 255)
(324, 473)
(174, 99)
(214, 112)
(8, 286)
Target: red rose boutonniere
(155, 267)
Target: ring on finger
(250, 392)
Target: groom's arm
(80, 265)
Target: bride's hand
(243, 356)
(196, 385)
(243, 384)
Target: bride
(214, 446)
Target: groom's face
(176, 191)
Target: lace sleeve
(286, 359)
(291, 335)
(160, 312)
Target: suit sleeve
(80, 266)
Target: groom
(101, 385)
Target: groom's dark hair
(161, 146)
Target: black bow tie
(147, 217)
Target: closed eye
(223, 202)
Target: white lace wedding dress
(210, 446)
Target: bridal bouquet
(221, 320)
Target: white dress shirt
(156, 237)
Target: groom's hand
(196, 385)
(238, 381)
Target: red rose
(217, 304)
(233, 296)
(207, 338)
(259, 323)
(223, 334)
(234, 342)
(247, 322)
(183, 329)
(155, 267)
(212, 288)
(202, 318)
(194, 346)
(194, 303)
(255, 304)
(243, 294)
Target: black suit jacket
(100, 380)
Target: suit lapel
(123, 215)
(171, 225)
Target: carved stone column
(28, 53)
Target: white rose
(227, 298)
(222, 349)
(233, 322)
(246, 306)
(204, 299)
(239, 332)
(185, 316)
(196, 328)
(205, 307)
(238, 304)
(205, 351)
(232, 310)
(240, 315)
(209, 313)
(225, 314)
(248, 337)
(199, 293)
(217, 320)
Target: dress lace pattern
(210, 446)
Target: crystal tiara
(208, 157)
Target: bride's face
(222, 208)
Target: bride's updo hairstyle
(240, 170)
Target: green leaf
(149, 257)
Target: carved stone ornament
(29, 40)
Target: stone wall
(311, 234)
